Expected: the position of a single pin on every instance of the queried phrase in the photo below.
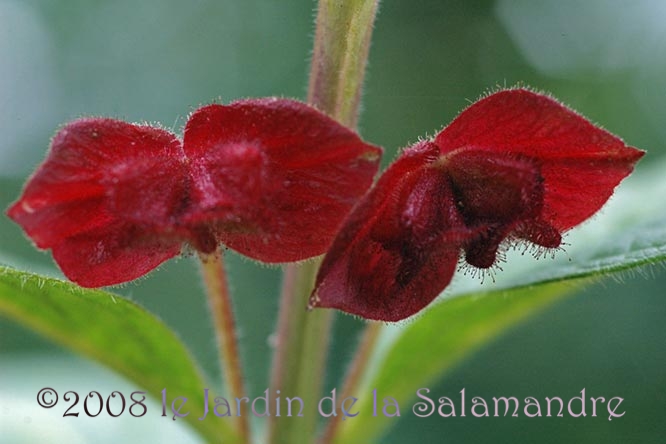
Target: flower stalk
(219, 300)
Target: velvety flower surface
(515, 166)
(274, 178)
(270, 178)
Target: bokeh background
(157, 60)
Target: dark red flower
(515, 166)
(270, 178)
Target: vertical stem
(300, 356)
(354, 374)
(342, 42)
(219, 301)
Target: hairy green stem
(342, 41)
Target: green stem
(342, 41)
(300, 357)
(219, 301)
(354, 375)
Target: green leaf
(116, 333)
(412, 357)
(629, 232)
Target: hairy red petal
(100, 178)
(399, 247)
(579, 162)
(274, 177)
(111, 255)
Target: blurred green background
(157, 60)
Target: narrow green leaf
(629, 232)
(413, 356)
(116, 333)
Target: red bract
(515, 166)
(270, 178)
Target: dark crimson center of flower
(493, 188)
(498, 195)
